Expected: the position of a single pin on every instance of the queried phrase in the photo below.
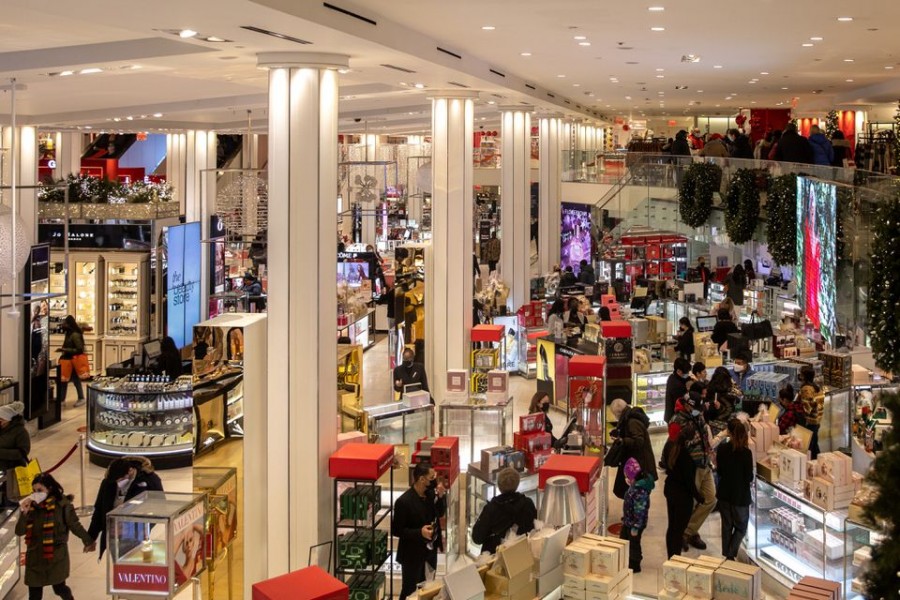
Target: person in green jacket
(47, 518)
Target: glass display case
(157, 544)
(650, 394)
(220, 486)
(129, 416)
(868, 421)
(9, 390)
(527, 355)
(219, 411)
(85, 293)
(397, 424)
(478, 425)
(127, 309)
(349, 382)
(480, 489)
(795, 538)
(59, 305)
(9, 550)
(858, 540)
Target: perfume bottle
(147, 550)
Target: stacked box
(445, 458)
(813, 588)
(837, 369)
(510, 577)
(531, 423)
(361, 502)
(765, 385)
(792, 467)
(366, 586)
(705, 578)
(537, 441)
(499, 457)
(596, 568)
(361, 549)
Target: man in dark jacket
(15, 443)
(793, 147)
(632, 425)
(681, 147)
(689, 411)
(822, 151)
(676, 385)
(740, 144)
(410, 373)
(416, 514)
(586, 273)
(125, 478)
(508, 509)
(567, 279)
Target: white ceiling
(195, 83)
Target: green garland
(831, 123)
(883, 304)
(695, 193)
(781, 228)
(896, 140)
(742, 205)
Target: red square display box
(536, 441)
(311, 583)
(361, 461)
(445, 452)
(582, 365)
(615, 329)
(487, 333)
(585, 470)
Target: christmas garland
(781, 229)
(742, 205)
(883, 304)
(695, 193)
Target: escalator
(109, 146)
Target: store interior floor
(88, 576)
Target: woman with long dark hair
(47, 518)
(735, 284)
(540, 403)
(72, 348)
(735, 468)
(723, 397)
(680, 488)
(684, 339)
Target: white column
(371, 211)
(200, 155)
(449, 287)
(69, 147)
(552, 132)
(176, 146)
(515, 202)
(289, 504)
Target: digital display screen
(575, 237)
(816, 262)
(182, 281)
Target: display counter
(859, 538)
(650, 395)
(9, 550)
(397, 424)
(157, 544)
(478, 425)
(349, 382)
(219, 410)
(480, 489)
(359, 328)
(219, 484)
(131, 417)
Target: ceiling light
(187, 33)
(764, 73)
(343, 71)
(657, 29)
(848, 60)
(660, 76)
(130, 118)
(576, 85)
(116, 119)
(525, 54)
(807, 45)
(212, 38)
(491, 102)
(90, 70)
(784, 88)
(656, 8)
(660, 70)
(690, 58)
(717, 66)
(561, 76)
(157, 115)
(845, 19)
(699, 91)
(584, 43)
(580, 37)
(816, 39)
(889, 67)
(489, 28)
(849, 81)
(628, 97)
(67, 73)
(419, 86)
(751, 82)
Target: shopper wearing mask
(416, 515)
(169, 361)
(540, 403)
(676, 386)
(735, 469)
(724, 398)
(48, 517)
(740, 144)
(506, 510)
(684, 339)
(15, 443)
(680, 488)
(813, 406)
(724, 327)
(125, 478)
(742, 369)
(632, 427)
(409, 373)
(688, 411)
(698, 372)
(72, 350)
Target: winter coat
(722, 330)
(15, 445)
(793, 147)
(715, 148)
(632, 429)
(741, 148)
(680, 147)
(681, 479)
(145, 481)
(699, 446)
(822, 151)
(39, 570)
(718, 417)
(790, 416)
(411, 514)
(492, 250)
(498, 517)
(813, 404)
(587, 275)
(841, 150)
(684, 344)
(676, 388)
(73, 344)
(636, 507)
(567, 279)
(735, 469)
(735, 289)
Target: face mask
(407, 362)
(686, 376)
(740, 368)
(545, 408)
(432, 485)
(38, 497)
(123, 484)
(695, 412)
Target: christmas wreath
(695, 193)
(883, 304)
(781, 230)
(742, 205)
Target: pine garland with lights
(883, 573)
(695, 193)
(883, 304)
(742, 205)
(896, 140)
(831, 123)
(781, 228)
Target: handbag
(757, 329)
(24, 476)
(615, 453)
(82, 366)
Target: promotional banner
(575, 237)
(182, 281)
(37, 331)
(816, 262)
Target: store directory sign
(183, 281)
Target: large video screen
(183, 281)
(816, 262)
(575, 237)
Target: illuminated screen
(182, 281)
(575, 237)
(816, 264)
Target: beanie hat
(632, 469)
(9, 411)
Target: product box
(596, 583)
(791, 467)
(535, 460)
(532, 442)
(820, 588)
(516, 460)
(570, 594)
(675, 576)
(700, 582)
(464, 584)
(767, 470)
(730, 583)
(498, 383)
(829, 496)
(445, 451)
(616, 329)
(622, 545)
(351, 437)
(837, 467)
(604, 560)
(493, 459)
(416, 399)
(549, 581)
(531, 423)
(458, 380)
(585, 470)
(582, 365)
(665, 594)
(618, 351)
(576, 562)
(361, 461)
(311, 583)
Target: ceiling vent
(275, 34)
(458, 84)
(453, 54)
(396, 68)
(350, 13)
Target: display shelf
(349, 383)
(59, 305)
(127, 297)
(859, 538)
(219, 411)
(397, 424)
(487, 351)
(481, 489)
(85, 294)
(9, 550)
(716, 292)
(650, 394)
(126, 418)
(478, 425)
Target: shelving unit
(127, 307)
(478, 426)
(484, 359)
(716, 292)
(9, 550)
(59, 306)
(650, 395)
(859, 538)
(527, 341)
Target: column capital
(549, 115)
(515, 108)
(440, 94)
(299, 60)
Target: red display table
(587, 366)
(585, 470)
(311, 583)
(361, 461)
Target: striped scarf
(48, 540)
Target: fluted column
(552, 132)
(515, 202)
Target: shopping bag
(25, 475)
(82, 366)
(757, 329)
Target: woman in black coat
(684, 339)
(680, 488)
(735, 467)
(632, 428)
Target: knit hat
(632, 469)
(9, 411)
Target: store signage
(182, 281)
(93, 236)
(187, 519)
(140, 578)
(51, 164)
(40, 263)
(355, 256)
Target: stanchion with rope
(85, 510)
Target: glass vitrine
(85, 294)
(480, 489)
(478, 425)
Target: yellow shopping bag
(25, 475)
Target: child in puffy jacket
(635, 510)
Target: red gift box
(449, 474)
(487, 333)
(652, 252)
(582, 365)
(585, 470)
(445, 451)
(532, 442)
(311, 583)
(361, 461)
(608, 300)
(532, 422)
(615, 329)
(535, 460)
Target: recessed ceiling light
(717, 66)
(157, 115)
(90, 70)
(849, 81)
(116, 119)
(656, 8)
(628, 97)
(580, 37)
(561, 76)
(807, 45)
(764, 73)
(845, 19)
(576, 85)
(699, 91)
(525, 54)
(660, 70)
(187, 33)
(212, 38)
(491, 102)
(488, 28)
(343, 71)
(784, 88)
(848, 60)
(67, 73)
(889, 67)
(751, 82)
(419, 86)
(584, 43)
(816, 39)
(657, 29)
(660, 76)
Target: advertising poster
(816, 262)
(182, 281)
(190, 542)
(546, 367)
(575, 237)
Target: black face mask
(407, 362)
(545, 408)
(432, 485)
